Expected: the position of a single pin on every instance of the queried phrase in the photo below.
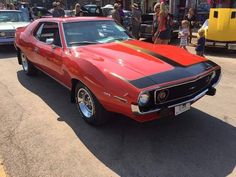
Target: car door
(48, 49)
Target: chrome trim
(191, 100)
(215, 84)
(155, 92)
(181, 83)
(121, 99)
(198, 78)
(135, 108)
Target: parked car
(9, 21)
(106, 70)
(92, 10)
(220, 28)
(69, 13)
(146, 26)
(41, 12)
(106, 11)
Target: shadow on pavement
(7, 51)
(192, 144)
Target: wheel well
(18, 51)
(73, 84)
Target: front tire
(89, 107)
(27, 66)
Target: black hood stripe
(179, 72)
(169, 76)
(151, 53)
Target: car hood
(12, 25)
(137, 61)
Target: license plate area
(182, 108)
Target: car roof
(75, 19)
(39, 7)
(10, 11)
(90, 5)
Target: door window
(48, 30)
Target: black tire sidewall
(99, 116)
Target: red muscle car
(107, 70)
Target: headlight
(213, 75)
(143, 99)
(2, 34)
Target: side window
(233, 15)
(48, 30)
(39, 31)
(215, 14)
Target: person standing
(78, 11)
(136, 20)
(115, 13)
(12, 6)
(57, 10)
(184, 34)
(163, 34)
(121, 13)
(200, 48)
(155, 20)
(191, 17)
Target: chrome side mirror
(49, 41)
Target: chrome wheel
(85, 103)
(25, 64)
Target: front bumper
(223, 44)
(208, 91)
(135, 108)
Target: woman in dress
(162, 35)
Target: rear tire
(27, 66)
(89, 107)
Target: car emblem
(163, 95)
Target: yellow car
(220, 28)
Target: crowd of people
(161, 26)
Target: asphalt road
(42, 135)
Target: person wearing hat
(136, 20)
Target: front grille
(184, 90)
(180, 93)
(7, 34)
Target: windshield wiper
(118, 39)
(84, 43)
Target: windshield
(8, 16)
(93, 32)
